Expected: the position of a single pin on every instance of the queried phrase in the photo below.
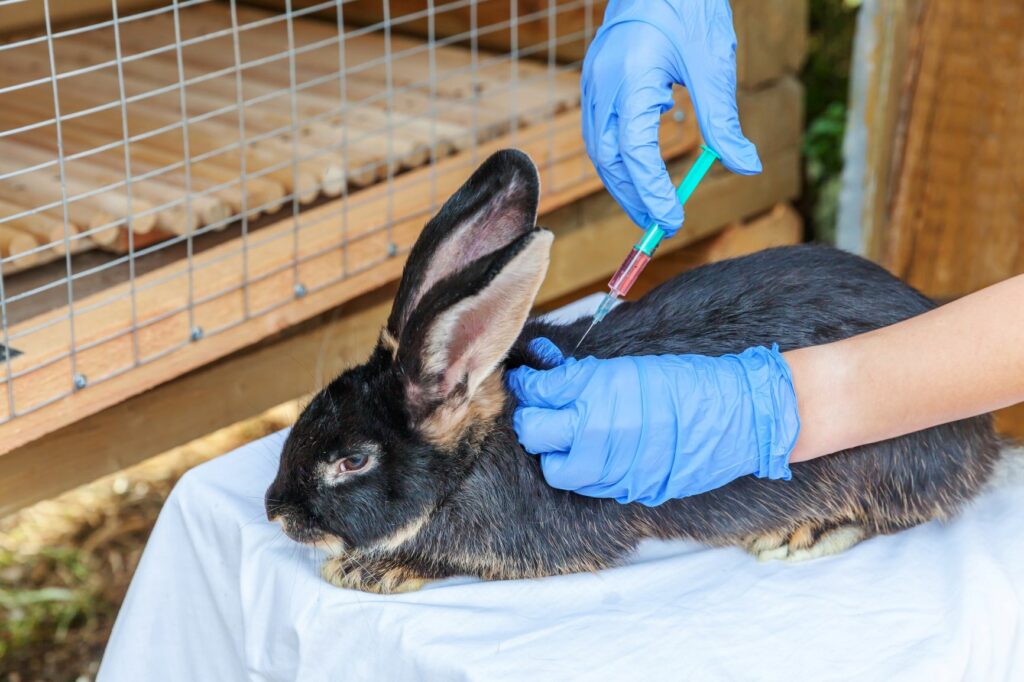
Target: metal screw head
(80, 382)
(678, 115)
(300, 290)
(196, 333)
(392, 250)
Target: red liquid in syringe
(627, 274)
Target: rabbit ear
(460, 333)
(496, 206)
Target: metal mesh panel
(170, 173)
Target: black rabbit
(408, 469)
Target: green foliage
(46, 612)
(826, 78)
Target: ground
(65, 564)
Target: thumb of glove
(713, 91)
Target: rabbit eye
(352, 463)
(343, 463)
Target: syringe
(642, 252)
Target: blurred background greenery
(826, 78)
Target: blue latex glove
(641, 49)
(653, 428)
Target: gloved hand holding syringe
(627, 274)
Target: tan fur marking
(832, 542)
(389, 342)
(802, 545)
(402, 535)
(352, 573)
(398, 580)
(448, 424)
(758, 544)
(802, 537)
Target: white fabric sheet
(221, 594)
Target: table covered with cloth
(221, 594)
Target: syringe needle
(580, 342)
(606, 305)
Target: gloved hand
(653, 428)
(641, 49)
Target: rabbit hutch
(205, 204)
(932, 187)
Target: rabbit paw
(809, 541)
(367, 575)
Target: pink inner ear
(494, 226)
(471, 327)
(469, 340)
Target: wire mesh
(171, 171)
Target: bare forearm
(957, 361)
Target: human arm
(658, 427)
(962, 359)
(642, 48)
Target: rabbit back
(796, 297)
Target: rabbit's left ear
(459, 334)
(495, 207)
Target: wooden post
(14, 242)
(171, 217)
(43, 226)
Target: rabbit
(408, 470)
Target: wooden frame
(196, 387)
(250, 381)
(771, 34)
(136, 336)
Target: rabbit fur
(408, 470)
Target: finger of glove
(572, 472)
(620, 185)
(641, 155)
(551, 388)
(603, 150)
(711, 80)
(546, 351)
(603, 77)
(542, 430)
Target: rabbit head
(377, 450)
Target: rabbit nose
(273, 506)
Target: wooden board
(883, 69)
(957, 221)
(771, 34)
(588, 232)
(240, 292)
(26, 18)
(336, 131)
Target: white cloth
(222, 595)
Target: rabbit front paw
(811, 540)
(368, 575)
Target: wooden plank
(771, 34)
(491, 15)
(28, 18)
(883, 72)
(585, 248)
(771, 39)
(245, 291)
(958, 208)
